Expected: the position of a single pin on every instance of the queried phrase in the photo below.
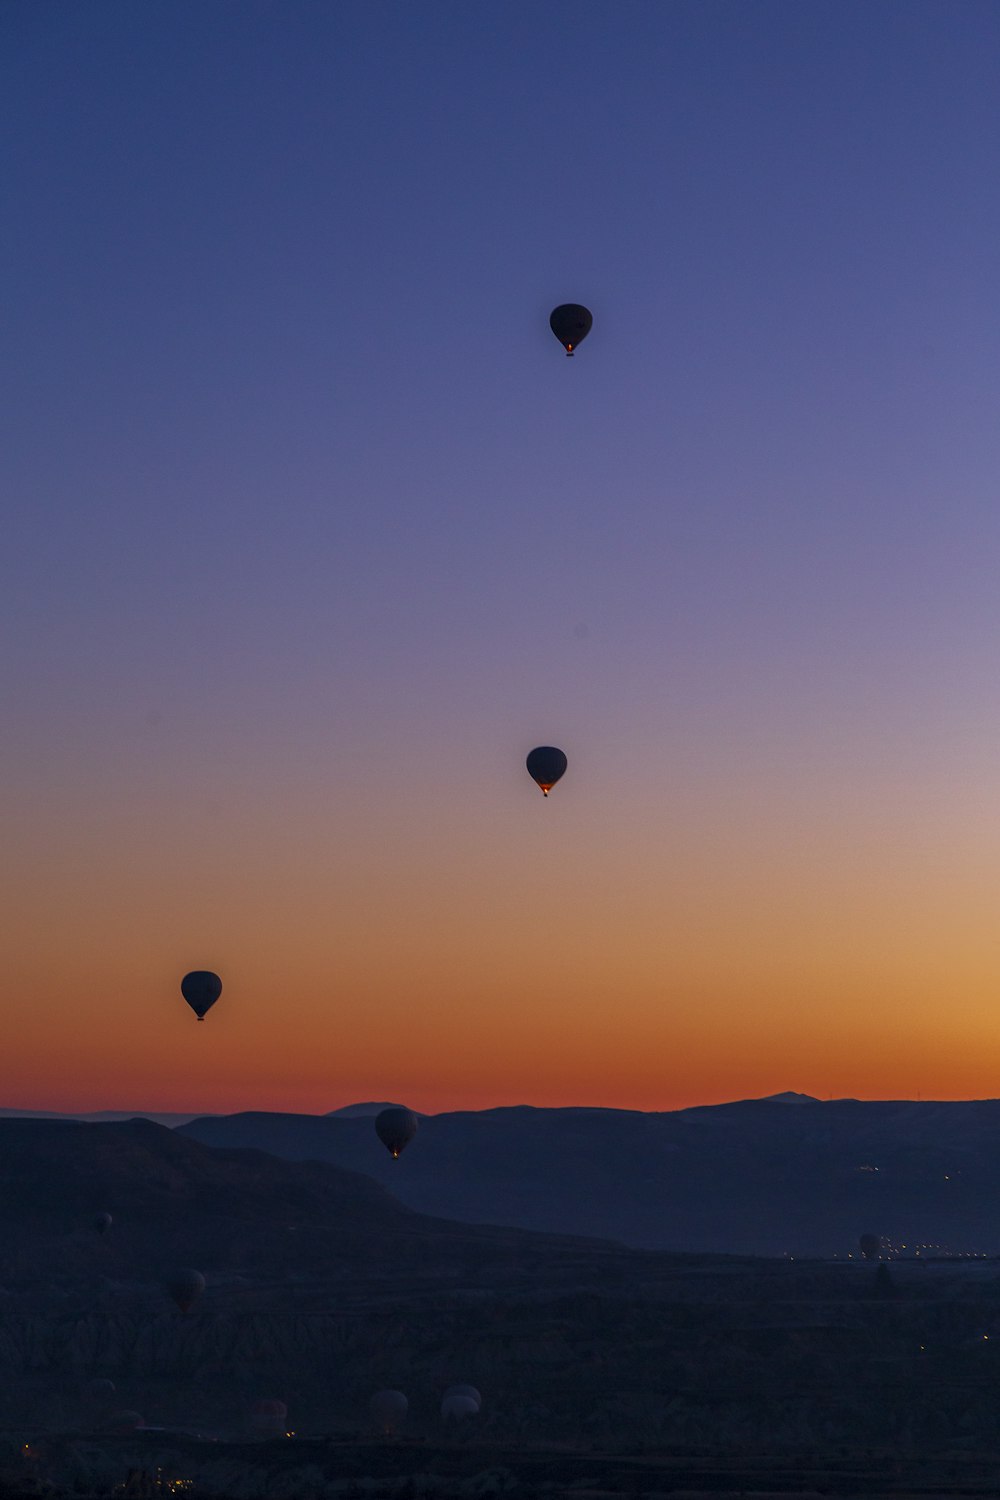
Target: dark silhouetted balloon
(870, 1246)
(270, 1416)
(102, 1223)
(396, 1128)
(570, 323)
(545, 765)
(185, 1287)
(201, 989)
(388, 1409)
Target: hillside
(176, 1201)
(778, 1176)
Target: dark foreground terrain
(603, 1369)
(161, 1465)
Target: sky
(311, 532)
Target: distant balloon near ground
(388, 1409)
(570, 323)
(546, 765)
(201, 988)
(464, 1390)
(456, 1408)
(100, 1388)
(102, 1223)
(396, 1128)
(185, 1287)
(870, 1246)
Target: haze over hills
(785, 1175)
(101, 1116)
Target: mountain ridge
(766, 1176)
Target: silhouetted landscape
(782, 1176)
(603, 1368)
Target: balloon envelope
(570, 323)
(464, 1390)
(388, 1409)
(100, 1387)
(545, 765)
(457, 1407)
(201, 988)
(103, 1222)
(396, 1128)
(185, 1287)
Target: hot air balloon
(455, 1408)
(870, 1246)
(103, 1222)
(464, 1390)
(396, 1128)
(100, 1388)
(201, 988)
(545, 765)
(270, 1417)
(388, 1409)
(570, 323)
(185, 1287)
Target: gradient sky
(311, 532)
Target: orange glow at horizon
(309, 539)
(451, 951)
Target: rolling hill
(788, 1175)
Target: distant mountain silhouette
(788, 1174)
(788, 1098)
(359, 1111)
(102, 1116)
